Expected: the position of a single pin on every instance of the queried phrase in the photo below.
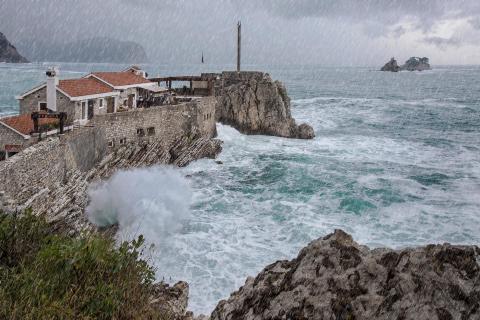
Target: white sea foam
(153, 202)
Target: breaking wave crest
(149, 201)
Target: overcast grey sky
(327, 32)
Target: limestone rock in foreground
(336, 278)
(171, 300)
(253, 103)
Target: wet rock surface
(336, 278)
(171, 300)
(253, 103)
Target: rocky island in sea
(8, 52)
(412, 64)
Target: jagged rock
(391, 66)
(171, 301)
(63, 203)
(336, 278)
(253, 103)
(416, 64)
(8, 53)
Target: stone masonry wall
(163, 123)
(45, 165)
(52, 176)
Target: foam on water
(396, 162)
(153, 202)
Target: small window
(151, 131)
(140, 132)
(42, 106)
(123, 140)
(111, 143)
(100, 103)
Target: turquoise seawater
(396, 162)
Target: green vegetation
(48, 275)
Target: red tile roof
(118, 79)
(24, 124)
(83, 87)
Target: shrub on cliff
(47, 275)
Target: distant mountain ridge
(88, 50)
(8, 53)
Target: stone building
(96, 93)
(80, 99)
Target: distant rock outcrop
(89, 50)
(253, 103)
(416, 64)
(412, 64)
(391, 66)
(336, 278)
(8, 53)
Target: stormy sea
(396, 162)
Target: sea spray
(152, 202)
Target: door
(90, 109)
(131, 97)
(110, 105)
(84, 110)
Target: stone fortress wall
(165, 124)
(42, 175)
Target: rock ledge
(336, 278)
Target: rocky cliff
(336, 278)
(8, 53)
(253, 103)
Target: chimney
(52, 82)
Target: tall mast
(239, 44)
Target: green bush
(47, 275)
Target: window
(140, 132)
(151, 131)
(101, 103)
(123, 140)
(111, 143)
(42, 106)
